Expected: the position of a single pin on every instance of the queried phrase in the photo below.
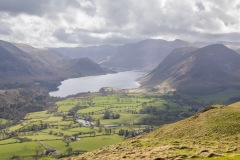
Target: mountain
(197, 71)
(95, 53)
(211, 133)
(46, 56)
(23, 63)
(14, 63)
(144, 55)
(83, 67)
(238, 51)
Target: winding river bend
(123, 80)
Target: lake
(123, 80)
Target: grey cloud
(5, 30)
(82, 36)
(200, 6)
(87, 22)
(23, 6)
(42, 7)
(78, 36)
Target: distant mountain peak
(179, 40)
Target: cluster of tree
(126, 133)
(132, 133)
(109, 131)
(109, 115)
(5, 125)
(73, 111)
(34, 127)
(149, 110)
(24, 139)
(16, 103)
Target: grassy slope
(211, 134)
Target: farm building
(85, 123)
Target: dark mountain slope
(205, 70)
(83, 67)
(46, 56)
(23, 63)
(12, 66)
(238, 51)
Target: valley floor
(85, 123)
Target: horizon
(208, 43)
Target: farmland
(113, 118)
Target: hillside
(83, 67)
(15, 103)
(214, 132)
(238, 51)
(144, 55)
(46, 56)
(95, 53)
(11, 65)
(206, 70)
(23, 63)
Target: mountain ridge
(32, 64)
(205, 70)
(142, 55)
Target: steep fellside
(23, 63)
(12, 66)
(206, 70)
(214, 132)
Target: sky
(69, 23)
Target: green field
(57, 127)
(19, 149)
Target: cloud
(44, 7)
(24, 6)
(200, 6)
(94, 22)
(5, 29)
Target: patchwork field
(115, 117)
(108, 119)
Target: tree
(98, 123)
(66, 139)
(75, 137)
(106, 115)
(100, 129)
(116, 116)
(69, 150)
